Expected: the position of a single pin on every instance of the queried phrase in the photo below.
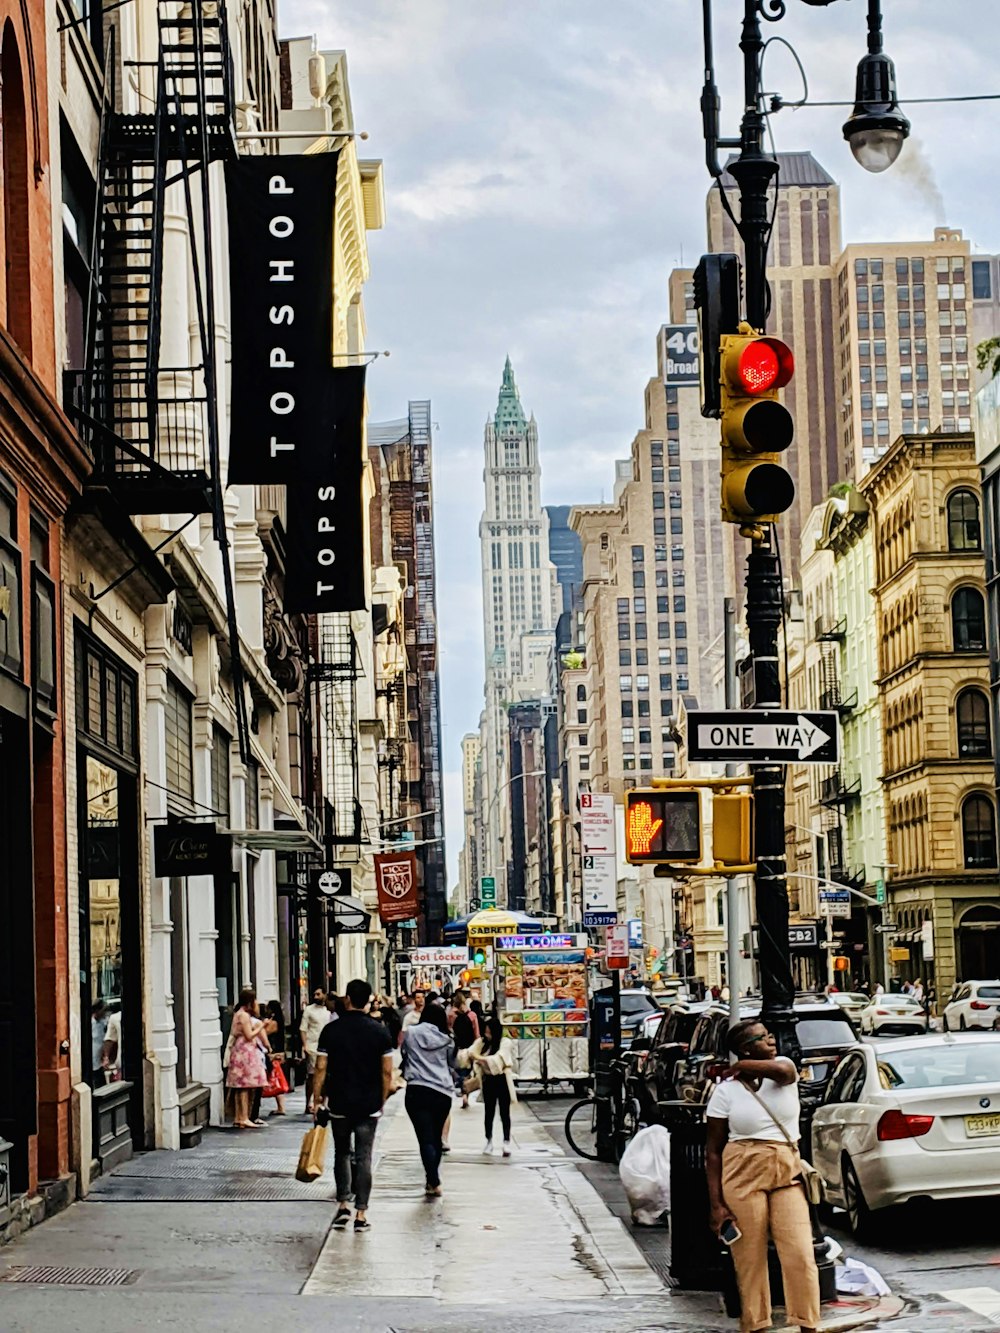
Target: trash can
(695, 1250)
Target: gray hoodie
(429, 1058)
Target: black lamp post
(876, 131)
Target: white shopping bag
(857, 1279)
(645, 1173)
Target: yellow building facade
(933, 681)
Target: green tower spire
(509, 410)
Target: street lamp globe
(876, 127)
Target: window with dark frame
(979, 840)
(968, 621)
(972, 715)
(964, 531)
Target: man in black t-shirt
(353, 1076)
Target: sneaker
(506, 1147)
(362, 1224)
(488, 1146)
(432, 1191)
(445, 1147)
(341, 1220)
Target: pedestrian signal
(662, 826)
(479, 956)
(756, 427)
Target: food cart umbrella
(490, 921)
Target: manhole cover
(71, 1277)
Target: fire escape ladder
(154, 428)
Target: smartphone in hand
(730, 1233)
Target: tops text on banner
(281, 292)
(324, 539)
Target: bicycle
(583, 1120)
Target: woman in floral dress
(246, 1070)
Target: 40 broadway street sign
(765, 737)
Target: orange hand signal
(642, 828)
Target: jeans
(496, 1093)
(352, 1167)
(428, 1110)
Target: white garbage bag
(857, 1279)
(645, 1173)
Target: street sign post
(488, 890)
(763, 737)
(887, 928)
(617, 946)
(880, 891)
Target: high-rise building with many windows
(520, 606)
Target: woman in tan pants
(753, 1179)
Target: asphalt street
(223, 1238)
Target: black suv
(824, 1030)
(669, 1044)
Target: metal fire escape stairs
(154, 429)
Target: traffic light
(756, 428)
(662, 826)
(732, 828)
(465, 977)
(478, 956)
(718, 283)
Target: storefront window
(104, 921)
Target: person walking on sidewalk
(277, 1083)
(754, 1178)
(430, 1072)
(245, 1072)
(465, 1030)
(412, 1016)
(491, 1056)
(353, 1077)
(315, 1017)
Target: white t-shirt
(733, 1101)
(412, 1017)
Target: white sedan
(974, 1004)
(916, 1118)
(893, 1013)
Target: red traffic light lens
(764, 364)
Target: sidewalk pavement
(222, 1237)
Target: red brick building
(42, 466)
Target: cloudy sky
(544, 171)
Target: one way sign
(764, 737)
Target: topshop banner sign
(324, 569)
(281, 285)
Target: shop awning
(275, 840)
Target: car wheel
(961, 1025)
(858, 1213)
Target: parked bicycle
(616, 1115)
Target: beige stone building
(934, 682)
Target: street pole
(732, 887)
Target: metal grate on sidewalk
(51, 1276)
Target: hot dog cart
(541, 989)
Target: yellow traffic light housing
(756, 427)
(732, 828)
(663, 826)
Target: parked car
(974, 1004)
(851, 1000)
(636, 1004)
(914, 1118)
(888, 1013)
(668, 1045)
(824, 1031)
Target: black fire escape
(838, 789)
(153, 428)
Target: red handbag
(277, 1084)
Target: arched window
(15, 192)
(979, 839)
(581, 694)
(972, 715)
(968, 621)
(963, 522)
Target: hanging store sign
(181, 849)
(324, 561)
(281, 301)
(396, 880)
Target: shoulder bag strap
(760, 1102)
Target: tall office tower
(468, 880)
(802, 261)
(520, 605)
(564, 548)
(909, 316)
(652, 588)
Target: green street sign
(488, 890)
(880, 891)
